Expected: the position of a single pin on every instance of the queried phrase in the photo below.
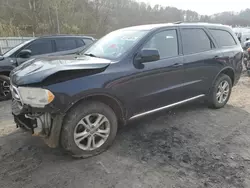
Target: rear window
(223, 38)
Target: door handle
(177, 64)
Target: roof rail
(178, 22)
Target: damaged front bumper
(45, 122)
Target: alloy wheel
(4, 88)
(92, 132)
(222, 91)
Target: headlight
(35, 97)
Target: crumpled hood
(36, 70)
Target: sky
(207, 7)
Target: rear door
(201, 60)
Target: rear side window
(80, 43)
(223, 38)
(40, 47)
(195, 41)
(165, 42)
(88, 41)
(65, 44)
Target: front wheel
(89, 129)
(5, 93)
(220, 92)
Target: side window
(195, 41)
(165, 42)
(223, 38)
(79, 43)
(88, 41)
(40, 47)
(65, 44)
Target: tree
(25, 17)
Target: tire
(71, 124)
(4, 83)
(213, 100)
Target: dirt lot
(188, 147)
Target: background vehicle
(247, 60)
(127, 74)
(246, 44)
(243, 35)
(43, 46)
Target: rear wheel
(89, 129)
(5, 93)
(220, 92)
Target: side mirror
(247, 39)
(26, 53)
(148, 55)
(1, 58)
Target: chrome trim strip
(165, 107)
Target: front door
(158, 83)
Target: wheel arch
(228, 71)
(115, 104)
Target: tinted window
(40, 47)
(80, 43)
(65, 44)
(195, 41)
(223, 38)
(88, 41)
(165, 42)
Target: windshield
(115, 44)
(13, 50)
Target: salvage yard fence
(6, 43)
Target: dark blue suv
(78, 101)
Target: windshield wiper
(91, 55)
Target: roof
(68, 36)
(156, 26)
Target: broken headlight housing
(35, 97)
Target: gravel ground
(188, 147)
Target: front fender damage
(53, 139)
